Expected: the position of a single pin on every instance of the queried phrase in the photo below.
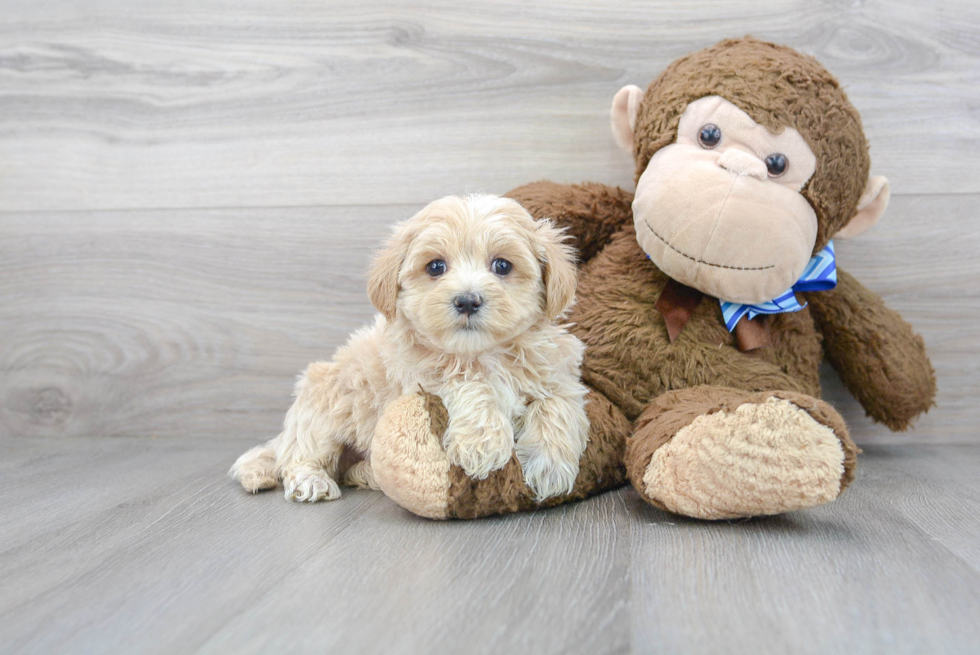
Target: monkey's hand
(880, 359)
(590, 212)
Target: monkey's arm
(880, 359)
(590, 212)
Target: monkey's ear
(872, 205)
(383, 277)
(558, 268)
(625, 108)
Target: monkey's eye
(777, 164)
(709, 136)
(501, 267)
(435, 268)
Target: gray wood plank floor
(189, 197)
(140, 545)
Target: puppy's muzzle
(467, 303)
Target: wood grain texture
(167, 104)
(860, 575)
(143, 546)
(196, 322)
(174, 322)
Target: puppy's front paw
(548, 474)
(555, 434)
(310, 486)
(480, 449)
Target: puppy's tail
(256, 469)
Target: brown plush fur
(879, 358)
(629, 356)
(776, 86)
(637, 373)
(596, 215)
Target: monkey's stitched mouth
(701, 261)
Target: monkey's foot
(717, 453)
(408, 459)
(412, 468)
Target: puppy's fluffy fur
(507, 374)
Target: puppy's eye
(435, 268)
(709, 136)
(777, 164)
(501, 267)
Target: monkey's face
(721, 209)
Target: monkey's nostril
(742, 163)
(467, 303)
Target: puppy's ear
(383, 276)
(558, 268)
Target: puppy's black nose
(467, 303)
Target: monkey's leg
(720, 453)
(412, 469)
(590, 212)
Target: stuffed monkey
(706, 301)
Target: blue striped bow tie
(820, 275)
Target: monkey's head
(749, 159)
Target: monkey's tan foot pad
(411, 467)
(407, 457)
(716, 453)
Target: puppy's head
(470, 273)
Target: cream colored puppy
(469, 290)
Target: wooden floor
(190, 193)
(141, 546)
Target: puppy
(469, 290)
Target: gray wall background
(190, 192)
